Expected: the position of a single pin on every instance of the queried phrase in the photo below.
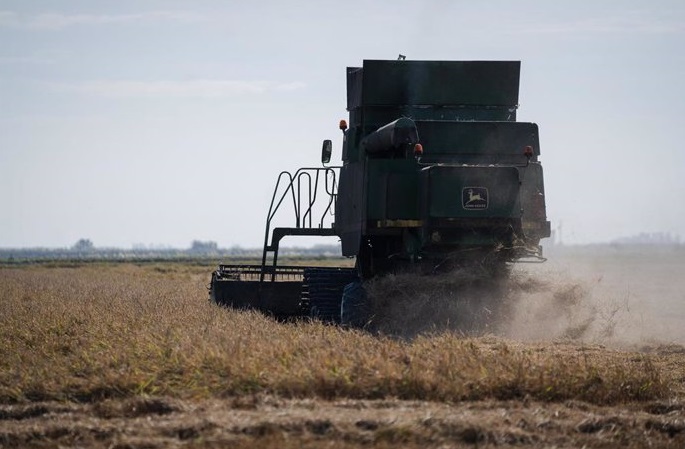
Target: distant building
(199, 247)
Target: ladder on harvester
(303, 184)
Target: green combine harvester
(436, 174)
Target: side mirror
(326, 151)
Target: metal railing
(302, 188)
(255, 272)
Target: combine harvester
(437, 174)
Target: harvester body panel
(435, 159)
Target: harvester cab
(436, 173)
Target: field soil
(585, 351)
(266, 421)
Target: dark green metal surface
(478, 181)
(434, 83)
(448, 192)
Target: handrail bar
(302, 220)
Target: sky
(162, 122)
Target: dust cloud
(610, 297)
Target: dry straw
(93, 332)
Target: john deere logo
(474, 198)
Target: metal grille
(253, 272)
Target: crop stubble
(91, 353)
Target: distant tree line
(654, 238)
(85, 249)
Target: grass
(107, 331)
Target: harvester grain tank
(436, 173)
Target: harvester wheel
(354, 309)
(324, 288)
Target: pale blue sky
(160, 122)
